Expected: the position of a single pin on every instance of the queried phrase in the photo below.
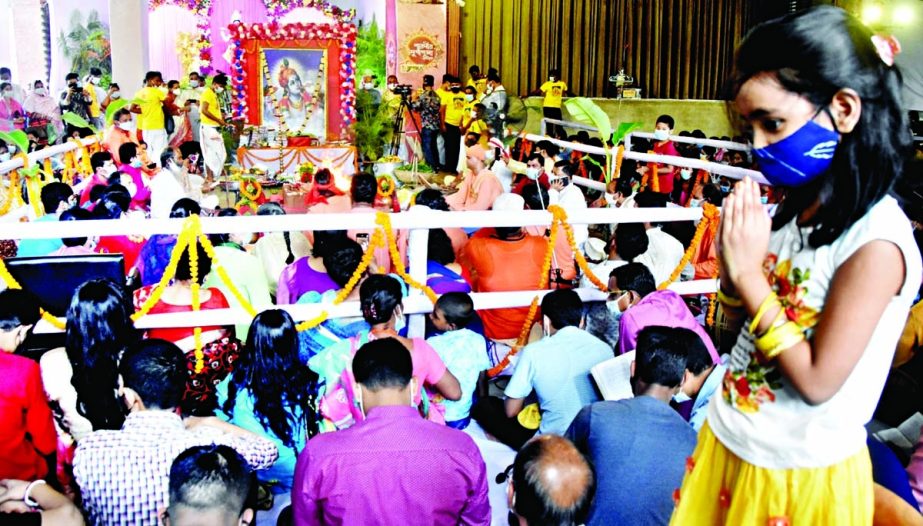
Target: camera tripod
(399, 124)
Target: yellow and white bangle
(770, 301)
(779, 339)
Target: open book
(613, 377)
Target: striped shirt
(123, 475)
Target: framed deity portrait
(293, 90)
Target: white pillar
(28, 52)
(416, 255)
(129, 41)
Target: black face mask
(456, 89)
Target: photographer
(75, 99)
(426, 102)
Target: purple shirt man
(665, 308)
(394, 467)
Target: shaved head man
(552, 484)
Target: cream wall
(710, 116)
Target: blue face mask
(799, 158)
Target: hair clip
(887, 48)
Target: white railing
(685, 162)
(727, 145)
(44, 153)
(417, 221)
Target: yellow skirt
(721, 489)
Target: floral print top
(759, 416)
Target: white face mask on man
(533, 173)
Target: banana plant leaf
(32, 170)
(587, 112)
(17, 138)
(77, 121)
(115, 106)
(624, 129)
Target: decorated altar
(340, 160)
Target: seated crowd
(357, 420)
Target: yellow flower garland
(710, 218)
(196, 302)
(245, 192)
(375, 242)
(13, 194)
(181, 242)
(384, 220)
(385, 186)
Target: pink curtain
(164, 23)
(251, 12)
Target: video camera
(403, 90)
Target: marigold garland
(196, 301)
(223, 273)
(13, 195)
(619, 155)
(386, 186)
(651, 175)
(384, 220)
(710, 218)
(169, 272)
(712, 307)
(32, 189)
(374, 243)
(245, 183)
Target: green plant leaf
(115, 106)
(77, 121)
(17, 138)
(624, 129)
(587, 112)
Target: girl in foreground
(820, 292)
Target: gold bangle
(770, 300)
(729, 301)
(778, 339)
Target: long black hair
(98, 330)
(815, 53)
(379, 295)
(275, 209)
(277, 380)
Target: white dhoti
(156, 143)
(213, 151)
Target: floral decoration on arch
(276, 9)
(342, 33)
(201, 9)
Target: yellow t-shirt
(480, 127)
(210, 97)
(553, 91)
(151, 103)
(479, 85)
(455, 108)
(444, 96)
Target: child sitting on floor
(463, 351)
